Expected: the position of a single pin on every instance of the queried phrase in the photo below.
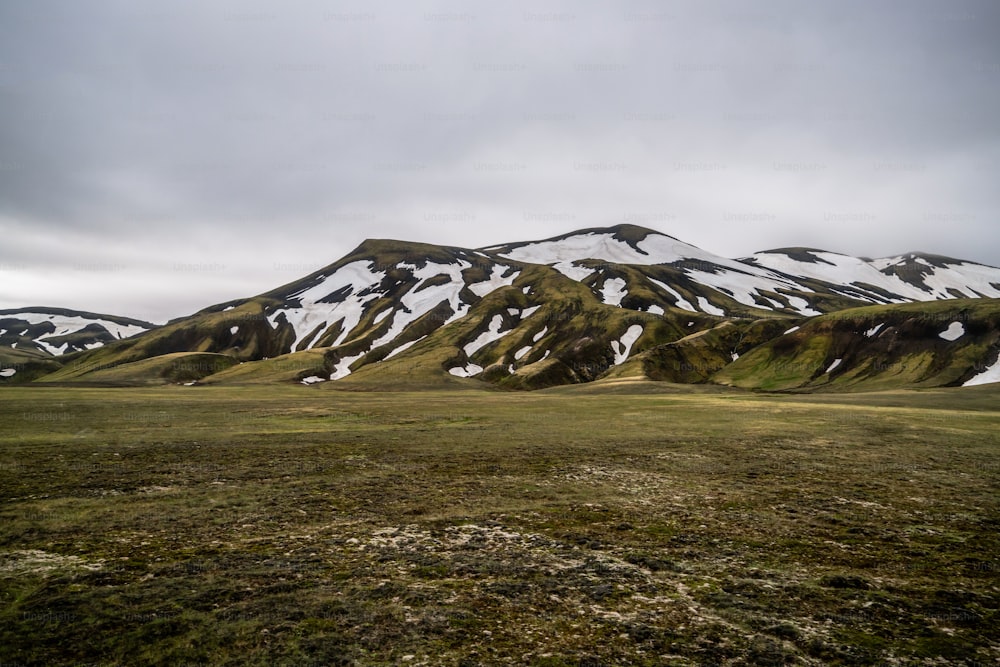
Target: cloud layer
(154, 161)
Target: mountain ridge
(571, 308)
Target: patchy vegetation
(942, 343)
(290, 525)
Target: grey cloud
(261, 134)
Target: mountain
(597, 303)
(30, 338)
(57, 331)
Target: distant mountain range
(596, 304)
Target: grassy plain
(637, 524)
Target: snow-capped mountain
(58, 331)
(567, 309)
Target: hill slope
(622, 301)
(948, 343)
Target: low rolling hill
(940, 344)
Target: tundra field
(632, 524)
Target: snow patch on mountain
(8, 372)
(929, 283)
(622, 347)
(342, 369)
(528, 312)
(988, 376)
(571, 270)
(972, 280)
(709, 308)
(654, 249)
(874, 330)
(799, 304)
(491, 334)
(467, 371)
(404, 347)
(954, 331)
(495, 281)
(680, 302)
(358, 276)
(52, 349)
(614, 291)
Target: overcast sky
(159, 158)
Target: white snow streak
(311, 314)
(680, 302)
(403, 347)
(416, 303)
(874, 330)
(623, 347)
(835, 363)
(709, 308)
(342, 369)
(491, 334)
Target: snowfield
(970, 280)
